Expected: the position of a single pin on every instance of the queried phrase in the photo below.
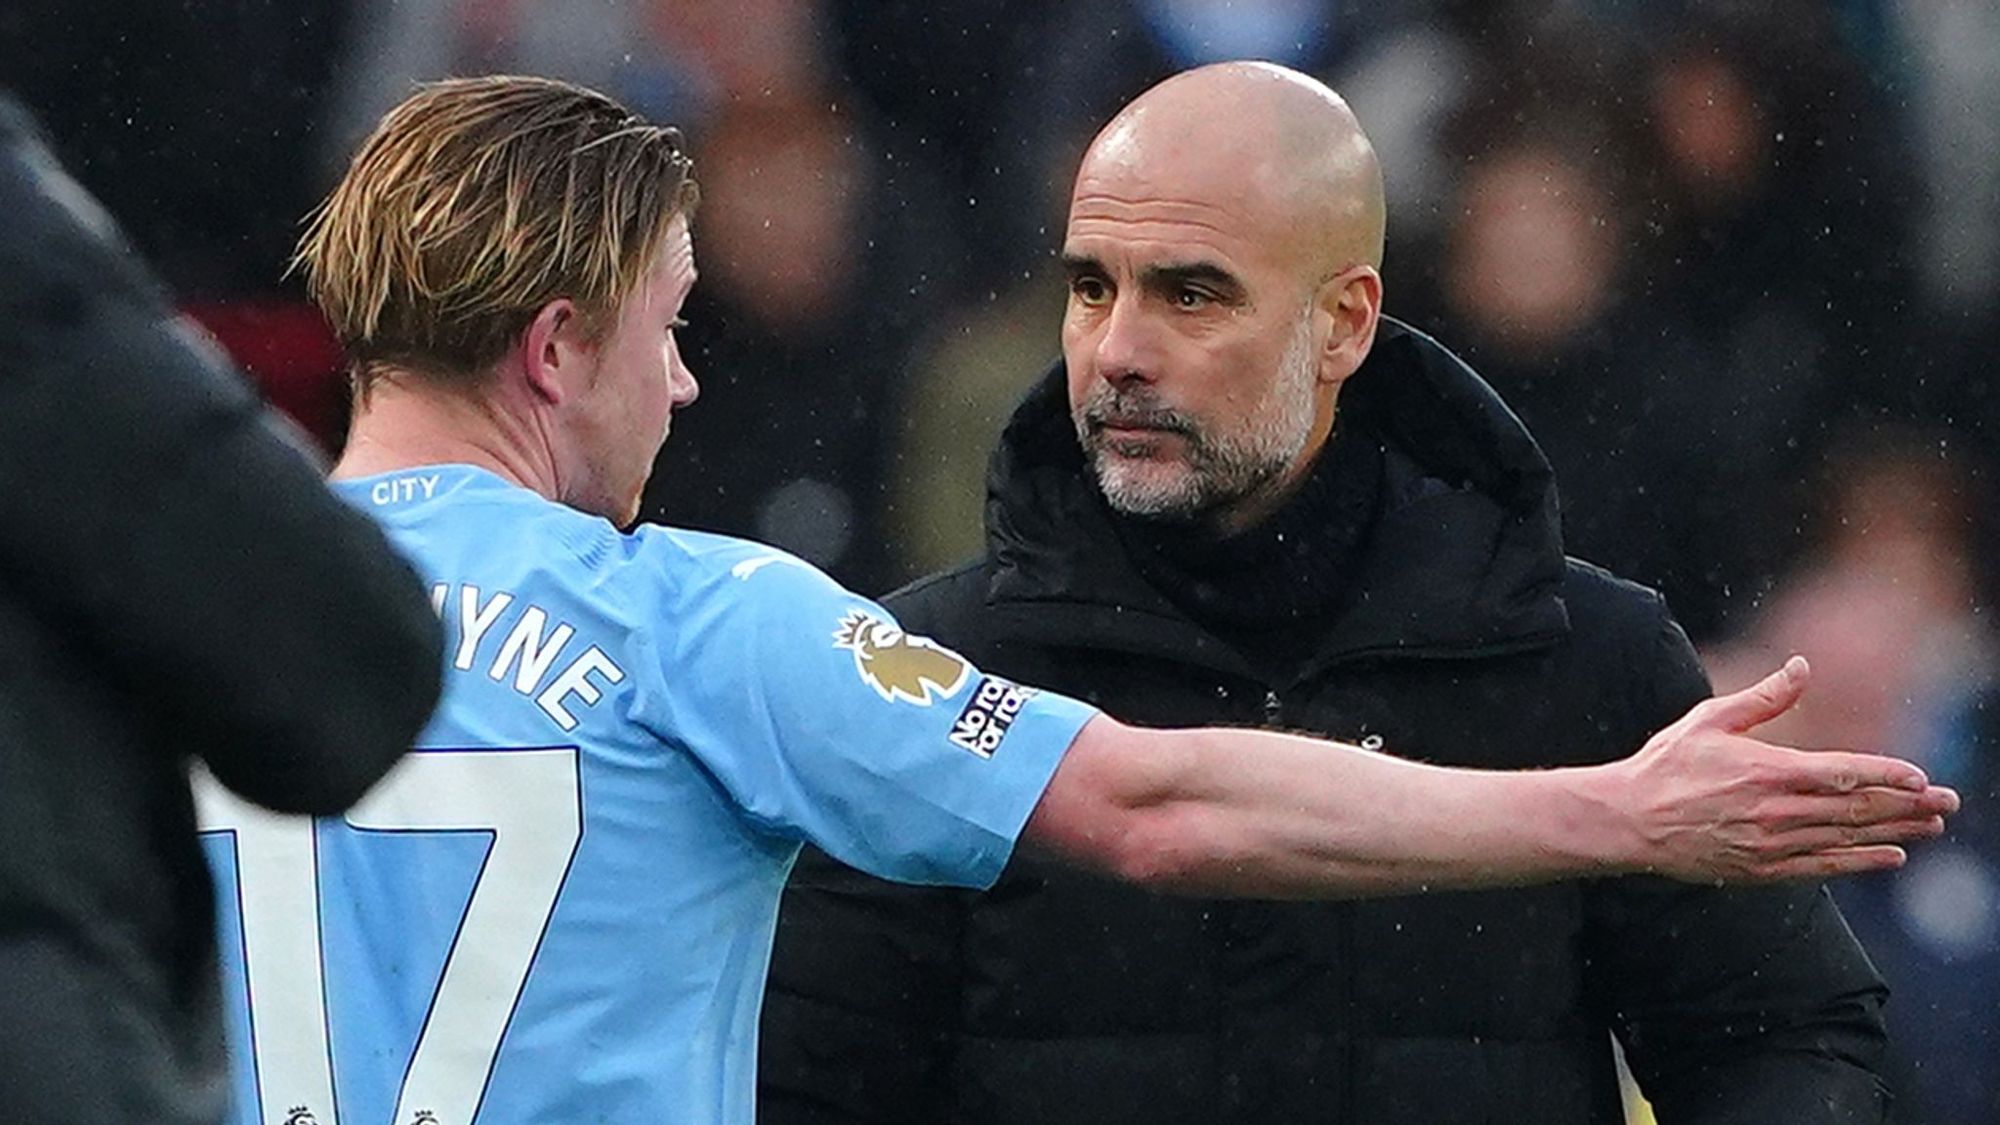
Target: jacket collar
(1466, 559)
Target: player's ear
(1351, 303)
(556, 351)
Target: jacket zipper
(1346, 1052)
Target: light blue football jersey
(560, 908)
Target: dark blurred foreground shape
(177, 586)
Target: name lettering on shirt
(524, 652)
(397, 490)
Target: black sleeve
(156, 517)
(1750, 1005)
(863, 997)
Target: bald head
(1265, 140)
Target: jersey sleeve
(827, 722)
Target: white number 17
(527, 799)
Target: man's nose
(1127, 345)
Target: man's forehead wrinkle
(1237, 232)
(1104, 208)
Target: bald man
(1244, 497)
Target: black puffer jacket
(1468, 639)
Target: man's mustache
(1136, 414)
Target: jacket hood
(1465, 559)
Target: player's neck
(403, 425)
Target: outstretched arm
(1256, 814)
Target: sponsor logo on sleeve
(992, 709)
(898, 665)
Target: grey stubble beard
(1214, 471)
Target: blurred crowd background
(1736, 263)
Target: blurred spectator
(619, 46)
(195, 124)
(963, 387)
(940, 80)
(811, 249)
(1682, 259)
(1887, 608)
(1787, 210)
(1539, 281)
(823, 253)
(967, 375)
(1886, 604)
(192, 122)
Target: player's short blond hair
(475, 203)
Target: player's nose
(685, 388)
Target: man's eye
(1090, 290)
(1192, 298)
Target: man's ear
(1351, 302)
(556, 351)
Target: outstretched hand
(1709, 803)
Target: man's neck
(404, 423)
(1249, 511)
